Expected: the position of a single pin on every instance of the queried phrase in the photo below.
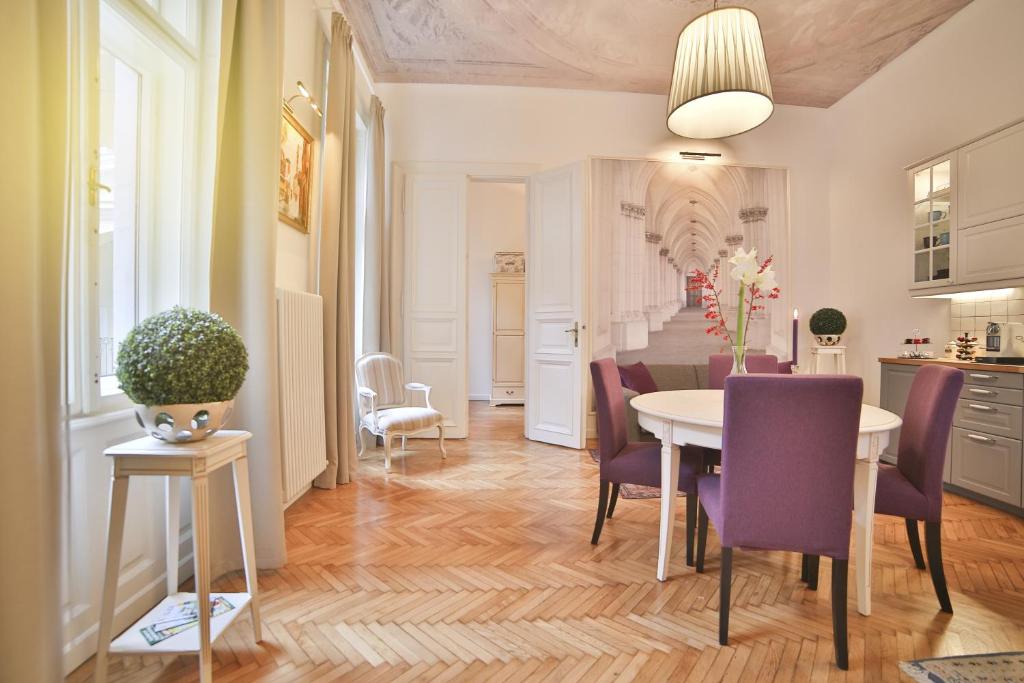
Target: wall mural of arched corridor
(654, 223)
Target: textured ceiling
(817, 50)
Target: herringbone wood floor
(480, 569)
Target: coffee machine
(1004, 343)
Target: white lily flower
(744, 266)
(766, 280)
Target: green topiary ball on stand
(827, 324)
(183, 367)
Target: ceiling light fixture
(720, 83)
(697, 156)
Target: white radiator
(300, 367)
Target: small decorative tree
(827, 324)
(183, 367)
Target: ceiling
(817, 50)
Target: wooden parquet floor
(479, 568)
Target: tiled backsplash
(972, 312)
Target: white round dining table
(695, 417)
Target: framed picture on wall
(295, 181)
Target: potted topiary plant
(827, 324)
(182, 368)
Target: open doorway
(496, 229)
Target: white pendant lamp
(720, 83)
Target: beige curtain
(337, 259)
(243, 261)
(34, 192)
(383, 328)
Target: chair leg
(914, 537)
(615, 497)
(803, 567)
(440, 442)
(404, 437)
(933, 543)
(840, 569)
(602, 509)
(691, 525)
(702, 536)
(387, 451)
(362, 443)
(812, 572)
(724, 589)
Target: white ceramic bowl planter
(183, 422)
(827, 325)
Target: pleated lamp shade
(720, 83)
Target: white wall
(496, 221)
(959, 82)
(495, 124)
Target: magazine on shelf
(179, 616)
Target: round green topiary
(828, 321)
(182, 356)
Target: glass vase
(739, 360)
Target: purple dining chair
(912, 489)
(789, 446)
(638, 462)
(720, 365)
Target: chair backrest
(382, 372)
(789, 447)
(927, 420)
(720, 365)
(611, 408)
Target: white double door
(435, 294)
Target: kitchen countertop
(990, 367)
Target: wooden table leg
(669, 484)
(172, 506)
(115, 535)
(201, 554)
(244, 506)
(864, 482)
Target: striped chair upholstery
(383, 407)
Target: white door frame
(475, 172)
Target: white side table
(151, 457)
(836, 352)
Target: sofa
(668, 378)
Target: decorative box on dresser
(984, 457)
(508, 299)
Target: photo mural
(654, 224)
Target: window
(141, 138)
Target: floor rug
(998, 667)
(632, 491)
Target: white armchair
(383, 408)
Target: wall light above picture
(303, 93)
(720, 82)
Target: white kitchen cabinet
(934, 221)
(990, 186)
(991, 252)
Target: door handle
(983, 439)
(575, 329)
(976, 406)
(95, 186)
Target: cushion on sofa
(637, 377)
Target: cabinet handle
(983, 392)
(977, 376)
(988, 409)
(983, 439)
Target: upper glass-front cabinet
(934, 228)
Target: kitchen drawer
(988, 465)
(987, 378)
(515, 393)
(993, 394)
(989, 418)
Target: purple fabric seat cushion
(639, 462)
(896, 496)
(638, 378)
